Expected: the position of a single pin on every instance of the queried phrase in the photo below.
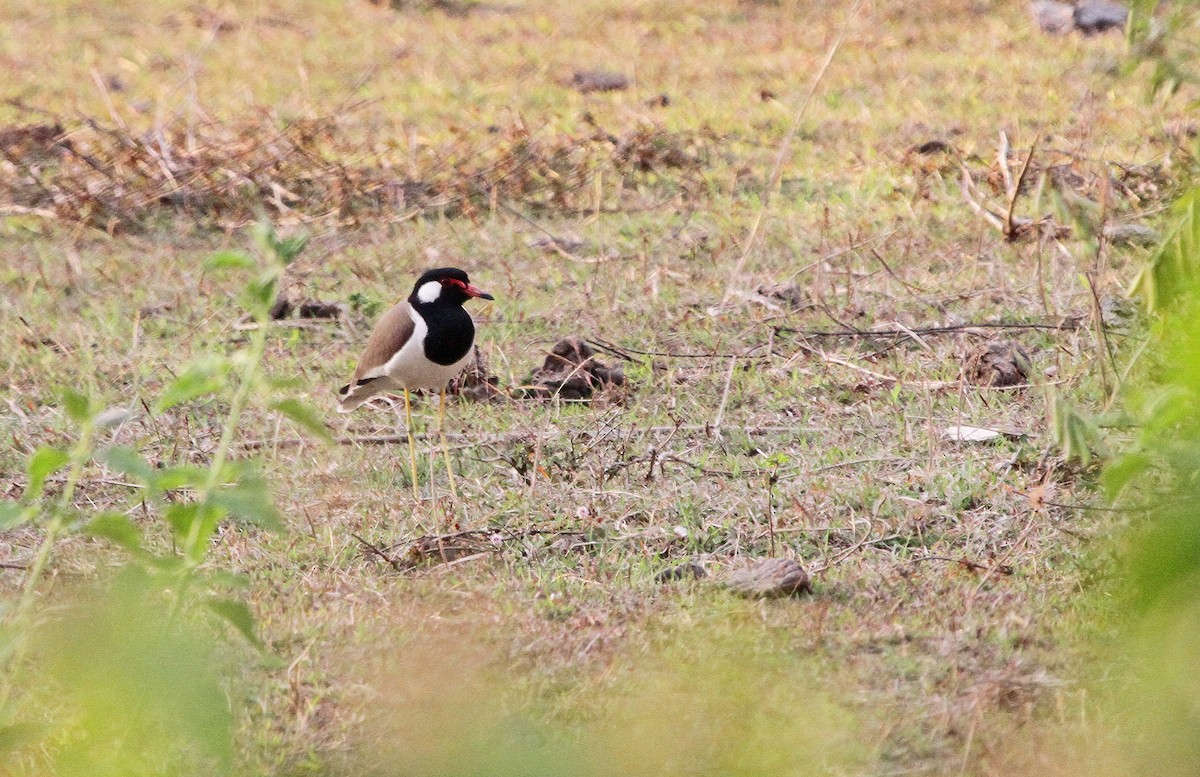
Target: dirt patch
(572, 372)
(227, 175)
(599, 81)
(999, 363)
(767, 578)
(689, 571)
(307, 308)
(791, 295)
(477, 383)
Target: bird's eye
(453, 282)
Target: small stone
(567, 243)
(442, 549)
(770, 577)
(790, 294)
(113, 416)
(1094, 16)
(1181, 130)
(599, 81)
(1131, 235)
(1118, 314)
(689, 571)
(930, 147)
(1053, 17)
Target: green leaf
(258, 296)
(284, 250)
(368, 306)
(197, 381)
(223, 578)
(116, 527)
(21, 735)
(230, 260)
(288, 249)
(181, 516)
(13, 514)
(264, 235)
(129, 462)
(78, 406)
(180, 476)
(44, 462)
(238, 615)
(249, 500)
(1122, 471)
(1074, 433)
(303, 415)
(195, 522)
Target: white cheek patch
(429, 291)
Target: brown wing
(389, 336)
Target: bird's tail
(354, 394)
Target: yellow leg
(445, 448)
(412, 445)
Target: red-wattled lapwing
(420, 343)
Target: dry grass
(954, 582)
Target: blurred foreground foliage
(1158, 478)
(1158, 475)
(442, 709)
(121, 677)
(116, 686)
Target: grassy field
(959, 587)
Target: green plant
(1157, 33)
(1157, 477)
(1172, 269)
(193, 500)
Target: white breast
(411, 370)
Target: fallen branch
(972, 566)
(376, 551)
(968, 189)
(1010, 229)
(907, 332)
(472, 441)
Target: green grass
(904, 660)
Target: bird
(420, 343)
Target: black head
(444, 286)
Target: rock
(31, 140)
(477, 383)
(1131, 235)
(970, 434)
(554, 244)
(770, 578)
(1094, 16)
(599, 81)
(1118, 314)
(443, 549)
(281, 309)
(1087, 16)
(999, 363)
(309, 308)
(571, 371)
(1181, 130)
(790, 294)
(930, 147)
(312, 308)
(689, 571)
(1053, 17)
